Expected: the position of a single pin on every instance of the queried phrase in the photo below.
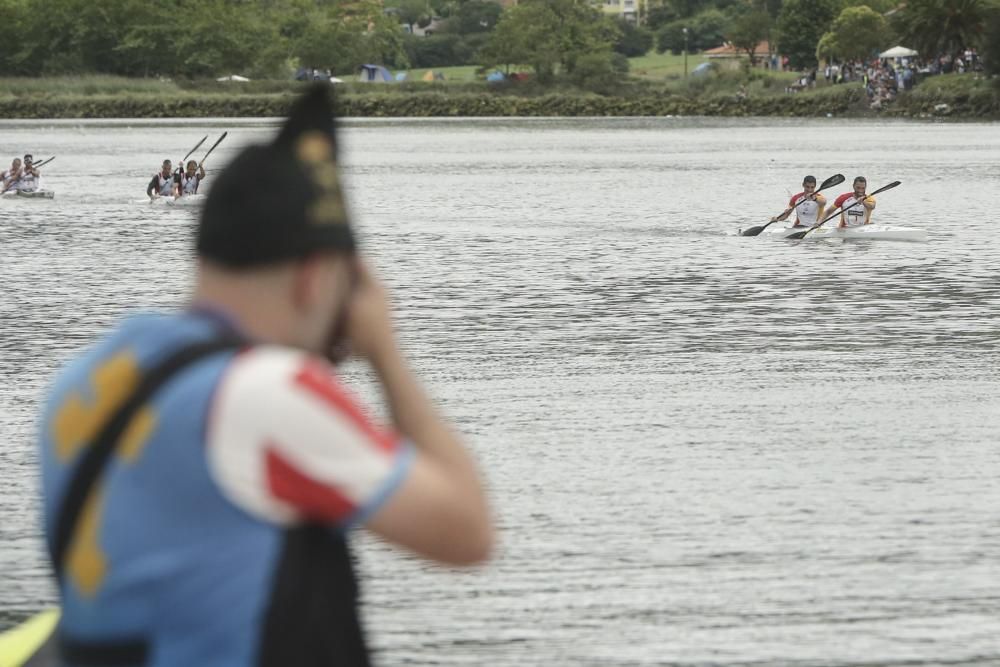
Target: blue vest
(160, 558)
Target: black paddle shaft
(219, 141)
(196, 147)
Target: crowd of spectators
(884, 78)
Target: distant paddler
(30, 176)
(189, 180)
(191, 177)
(10, 177)
(162, 184)
(808, 205)
(851, 215)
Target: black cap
(281, 201)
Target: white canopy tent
(898, 52)
(232, 77)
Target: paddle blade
(836, 179)
(224, 135)
(886, 187)
(797, 235)
(753, 231)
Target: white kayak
(32, 194)
(867, 232)
(187, 200)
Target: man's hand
(369, 317)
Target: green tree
(704, 31)
(991, 44)
(474, 16)
(549, 35)
(855, 35)
(634, 40)
(748, 30)
(411, 12)
(670, 37)
(800, 25)
(343, 37)
(934, 27)
(659, 14)
(600, 72)
(708, 29)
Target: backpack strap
(103, 447)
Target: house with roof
(728, 55)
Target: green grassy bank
(727, 93)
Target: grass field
(663, 65)
(657, 66)
(651, 67)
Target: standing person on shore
(215, 531)
(189, 180)
(11, 176)
(810, 210)
(162, 183)
(854, 216)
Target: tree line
(569, 39)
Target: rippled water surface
(703, 449)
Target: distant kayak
(867, 232)
(186, 200)
(33, 194)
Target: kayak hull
(862, 232)
(34, 194)
(187, 201)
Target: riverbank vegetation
(76, 58)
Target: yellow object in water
(21, 642)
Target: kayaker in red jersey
(810, 210)
(854, 216)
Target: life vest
(807, 213)
(854, 215)
(189, 186)
(28, 182)
(165, 185)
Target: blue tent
(374, 74)
(401, 76)
(495, 76)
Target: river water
(703, 449)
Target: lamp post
(685, 52)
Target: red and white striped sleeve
(287, 443)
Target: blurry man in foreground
(202, 469)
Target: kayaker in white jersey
(855, 216)
(189, 180)
(10, 177)
(810, 210)
(29, 176)
(162, 184)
